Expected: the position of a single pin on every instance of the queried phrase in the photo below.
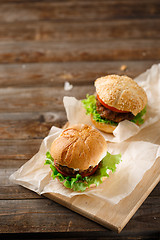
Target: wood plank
(41, 215)
(10, 165)
(29, 125)
(16, 192)
(77, 73)
(32, 215)
(24, 52)
(24, 129)
(69, 10)
(18, 149)
(34, 99)
(97, 30)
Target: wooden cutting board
(114, 217)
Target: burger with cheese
(118, 98)
(79, 158)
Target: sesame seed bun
(79, 147)
(122, 93)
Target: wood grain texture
(24, 129)
(29, 125)
(18, 149)
(32, 215)
(75, 31)
(48, 51)
(34, 99)
(77, 73)
(11, 191)
(42, 45)
(77, 10)
(40, 215)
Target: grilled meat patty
(72, 172)
(106, 113)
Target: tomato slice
(91, 173)
(110, 108)
(83, 174)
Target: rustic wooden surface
(42, 45)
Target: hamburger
(118, 98)
(79, 158)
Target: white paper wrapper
(137, 158)
(138, 155)
(150, 81)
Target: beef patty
(106, 113)
(71, 172)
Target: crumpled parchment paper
(137, 158)
(138, 153)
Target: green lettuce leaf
(138, 119)
(80, 184)
(90, 105)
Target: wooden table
(42, 45)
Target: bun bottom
(103, 126)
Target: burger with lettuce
(79, 158)
(118, 98)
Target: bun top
(121, 92)
(79, 147)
